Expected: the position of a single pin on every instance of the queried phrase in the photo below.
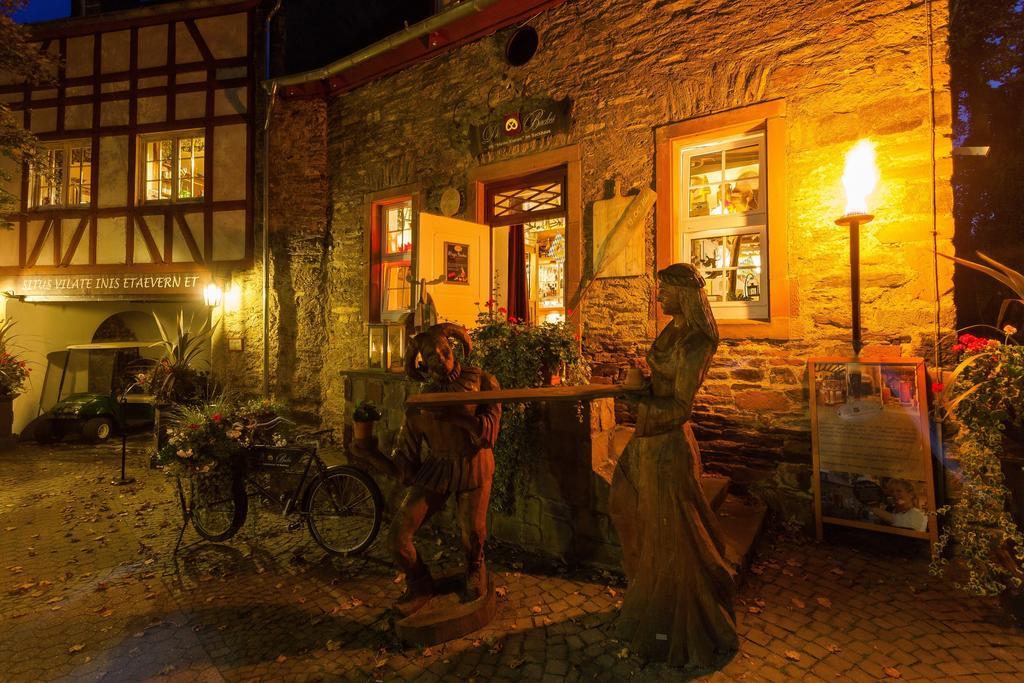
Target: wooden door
(458, 252)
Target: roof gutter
(419, 30)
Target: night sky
(43, 10)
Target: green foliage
(14, 371)
(175, 378)
(22, 60)
(517, 354)
(983, 396)
(366, 411)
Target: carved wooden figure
(679, 604)
(440, 453)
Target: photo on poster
(888, 501)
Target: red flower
(568, 313)
(216, 417)
(502, 309)
(193, 426)
(937, 387)
(513, 319)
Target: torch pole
(854, 220)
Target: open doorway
(527, 216)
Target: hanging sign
(520, 122)
(871, 445)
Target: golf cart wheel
(97, 430)
(48, 432)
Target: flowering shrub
(202, 437)
(14, 371)
(982, 398)
(517, 354)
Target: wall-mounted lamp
(859, 179)
(212, 295)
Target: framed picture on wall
(871, 446)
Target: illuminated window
(65, 177)
(174, 167)
(393, 253)
(723, 223)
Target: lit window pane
(396, 287)
(731, 265)
(79, 176)
(398, 228)
(742, 180)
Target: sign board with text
(871, 445)
(518, 122)
(104, 285)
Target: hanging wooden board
(871, 446)
(629, 261)
(586, 392)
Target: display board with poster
(871, 446)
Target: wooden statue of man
(440, 453)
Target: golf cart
(98, 393)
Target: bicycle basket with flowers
(204, 437)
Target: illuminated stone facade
(839, 73)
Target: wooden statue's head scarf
(692, 297)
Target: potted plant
(363, 417)
(14, 373)
(982, 399)
(174, 380)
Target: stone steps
(740, 520)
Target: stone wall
(845, 70)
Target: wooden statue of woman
(678, 606)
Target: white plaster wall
(45, 329)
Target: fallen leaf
(536, 609)
(824, 602)
(333, 645)
(798, 603)
(754, 610)
(759, 602)
(399, 577)
(891, 672)
(501, 591)
(515, 663)
(837, 571)
(623, 653)
(76, 648)
(793, 655)
(281, 659)
(106, 613)
(381, 663)
(833, 648)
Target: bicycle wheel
(218, 503)
(343, 509)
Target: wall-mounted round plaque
(451, 201)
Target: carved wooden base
(445, 617)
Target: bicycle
(342, 505)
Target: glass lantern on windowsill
(386, 346)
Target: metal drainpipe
(418, 30)
(265, 204)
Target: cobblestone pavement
(91, 592)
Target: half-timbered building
(148, 137)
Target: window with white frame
(64, 178)
(174, 167)
(723, 223)
(396, 258)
